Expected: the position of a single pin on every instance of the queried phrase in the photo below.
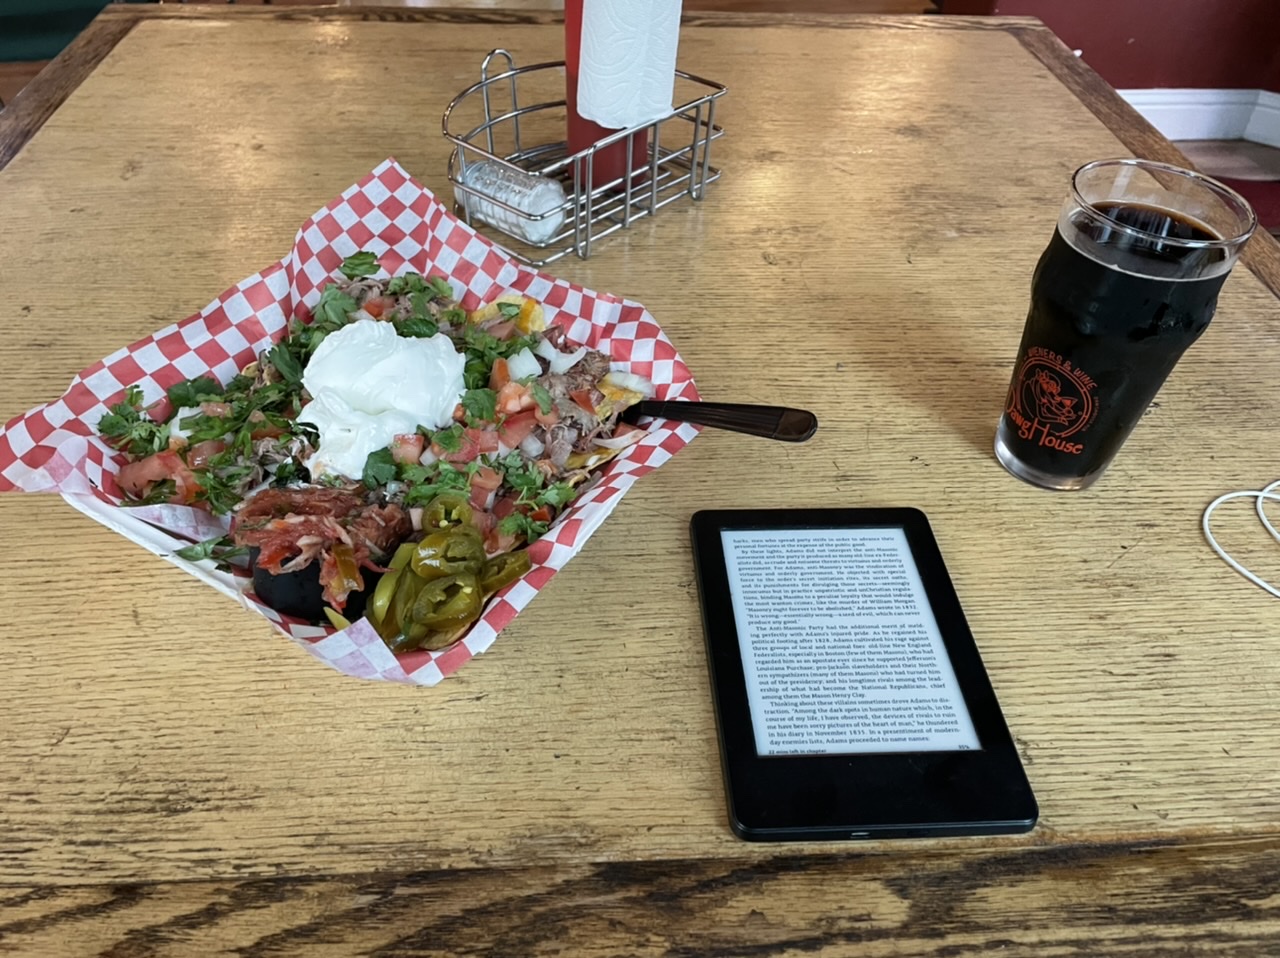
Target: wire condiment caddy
(512, 170)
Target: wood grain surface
(177, 778)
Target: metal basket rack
(679, 155)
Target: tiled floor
(1250, 168)
(1233, 159)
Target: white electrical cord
(1259, 496)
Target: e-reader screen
(841, 651)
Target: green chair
(40, 29)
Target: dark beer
(1112, 311)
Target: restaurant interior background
(1206, 73)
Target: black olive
(300, 594)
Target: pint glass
(1129, 280)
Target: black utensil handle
(771, 422)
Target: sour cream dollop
(369, 384)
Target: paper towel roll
(626, 72)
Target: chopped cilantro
(406, 283)
(450, 440)
(542, 397)
(220, 549)
(481, 404)
(522, 476)
(518, 524)
(161, 492)
(193, 392)
(126, 428)
(482, 348)
(418, 327)
(288, 471)
(379, 469)
(286, 363)
(222, 481)
(332, 311)
(557, 494)
(359, 264)
(475, 372)
(440, 288)
(427, 482)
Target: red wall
(1139, 44)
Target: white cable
(1263, 516)
(1259, 496)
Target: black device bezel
(864, 795)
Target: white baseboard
(1192, 114)
(1264, 125)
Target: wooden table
(889, 184)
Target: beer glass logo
(1051, 400)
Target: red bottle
(610, 163)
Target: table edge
(1144, 884)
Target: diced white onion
(524, 364)
(563, 362)
(532, 446)
(503, 449)
(427, 457)
(624, 380)
(415, 517)
(360, 314)
(546, 350)
(629, 438)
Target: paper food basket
(55, 447)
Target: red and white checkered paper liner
(55, 447)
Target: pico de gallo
(440, 517)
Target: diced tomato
(160, 410)
(549, 418)
(137, 478)
(483, 521)
(515, 397)
(499, 375)
(407, 448)
(514, 429)
(459, 413)
(483, 484)
(475, 443)
(496, 543)
(584, 399)
(623, 428)
(375, 306)
(542, 514)
(184, 480)
(486, 478)
(199, 455)
(267, 430)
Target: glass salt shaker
(533, 195)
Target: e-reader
(850, 697)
